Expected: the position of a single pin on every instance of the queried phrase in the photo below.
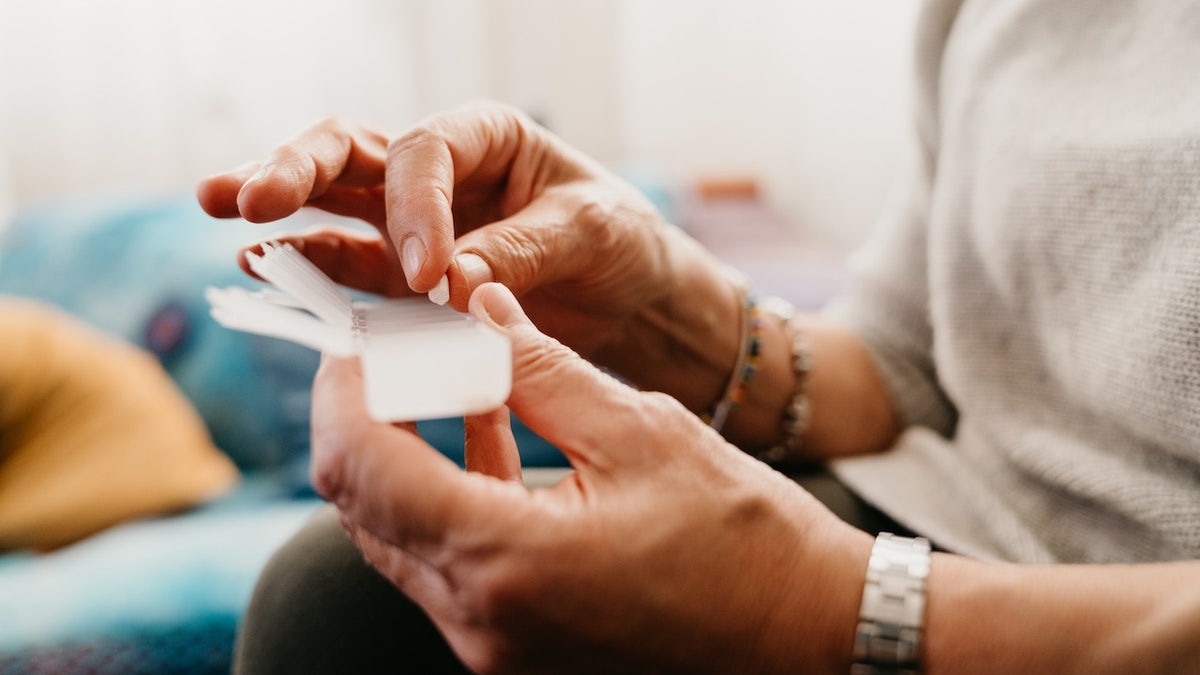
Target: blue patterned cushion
(137, 267)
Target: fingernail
(440, 294)
(474, 269)
(412, 256)
(501, 307)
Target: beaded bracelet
(746, 366)
(798, 412)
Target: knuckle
(544, 357)
(655, 401)
(662, 415)
(663, 407)
(594, 213)
(480, 119)
(423, 135)
(615, 227)
(327, 475)
(328, 468)
(334, 124)
(523, 253)
(501, 595)
(605, 232)
(748, 508)
(295, 161)
(288, 154)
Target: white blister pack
(420, 360)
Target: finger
(421, 582)
(352, 259)
(553, 239)
(303, 169)
(489, 446)
(425, 166)
(363, 203)
(386, 478)
(595, 420)
(218, 194)
(409, 573)
(523, 252)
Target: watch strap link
(887, 640)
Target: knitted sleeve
(887, 304)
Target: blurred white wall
(808, 95)
(154, 93)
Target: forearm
(984, 618)
(851, 410)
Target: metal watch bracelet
(887, 640)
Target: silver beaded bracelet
(797, 414)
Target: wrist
(891, 620)
(685, 341)
(987, 617)
(757, 422)
(817, 604)
(848, 410)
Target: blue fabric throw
(165, 596)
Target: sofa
(160, 590)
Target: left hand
(483, 194)
(665, 550)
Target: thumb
(523, 251)
(595, 420)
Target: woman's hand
(484, 194)
(481, 194)
(665, 550)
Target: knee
(294, 596)
(318, 607)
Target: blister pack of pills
(420, 360)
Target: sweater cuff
(905, 364)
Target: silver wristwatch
(888, 637)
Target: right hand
(664, 550)
(480, 194)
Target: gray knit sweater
(1033, 299)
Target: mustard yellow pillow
(93, 432)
